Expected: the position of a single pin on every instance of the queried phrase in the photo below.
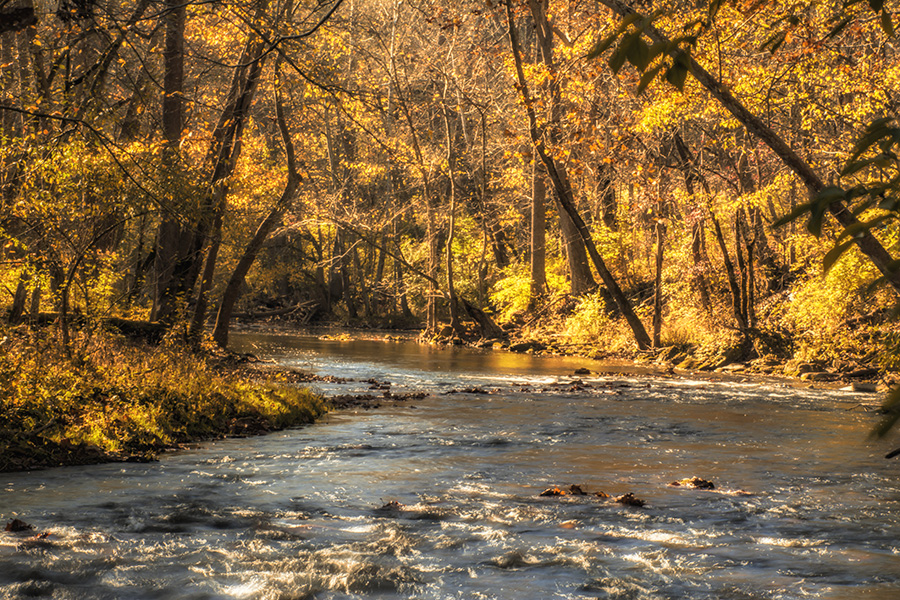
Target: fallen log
(276, 312)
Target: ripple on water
(297, 514)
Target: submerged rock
(818, 376)
(511, 560)
(696, 483)
(863, 372)
(574, 490)
(630, 500)
(17, 526)
(389, 509)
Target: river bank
(106, 398)
(750, 359)
(114, 399)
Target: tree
(563, 190)
(271, 221)
(638, 52)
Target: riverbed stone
(696, 483)
(860, 386)
(629, 499)
(818, 376)
(862, 373)
(17, 526)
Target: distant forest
(609, 175)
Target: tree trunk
(581, 279)
(170, 237)
(657, 295)
(730, 273)
(455, 323)
(538, 232)
(19, 298)
(742, 266)
(347, 285)
(364, 291)
(564, 194)
(236, 281)
(608, 204)
(35, 308)
(698, 256)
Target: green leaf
(887, 23)
(857, 229)
(656, 50)
(856, 166)
(795, 214)
(815, 219)
(820, 204)
(834, 254)
(617, 59)
(677, 74)
(603, 45)
(638, 54)
(875, 131)
(628, 20)
(647, 78)
(829, 194)
(890, 203)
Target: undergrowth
(112, 399)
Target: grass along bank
(112, 399)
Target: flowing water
(439, 497)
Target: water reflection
(805, 506)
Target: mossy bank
(106, 398)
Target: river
(438, 497)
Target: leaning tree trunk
(730, 273)
(219, 190)
(233, 288)
(564, 193)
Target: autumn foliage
(387, 148)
